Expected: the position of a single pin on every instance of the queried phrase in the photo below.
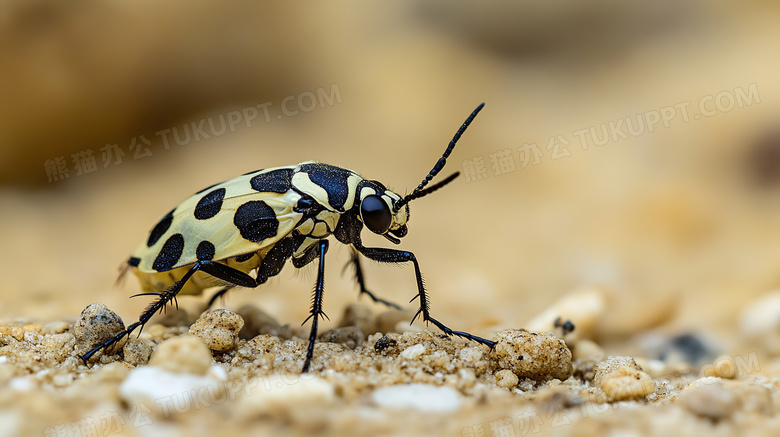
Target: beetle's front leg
(396, 256)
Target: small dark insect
(566, 326)
(257, 221)
(384, 343)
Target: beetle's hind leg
(164, 298)
(354, 261)
(215, 269)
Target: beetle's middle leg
(316, 306)
(354, 261)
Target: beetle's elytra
(259, 220)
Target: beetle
(259, 220)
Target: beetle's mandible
(257, 221)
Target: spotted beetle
(261, 219)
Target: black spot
(205, 251)
(332, 179)
(160, 228)
(256, 221)
(276, 181)
(210, 204)
(170, 253)
(133, 261)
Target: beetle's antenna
(425, 192)
(420, 191)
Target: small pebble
(506, 379)
(413, 352)
(708, 398)
(349, 336)
(185, 354)
(534, 355)
(218, 328)
(95, 325)
(622, 379)
(418, 397)
(138, 351)
(610, 364)
(471, 354)
(627, 383)
(722, 367)
(760, 321)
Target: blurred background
(626, 147)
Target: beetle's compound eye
(376, 214)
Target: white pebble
(506, 379)
(761, 315)
(760, 321)
(185, 354)
(470, 354)
(421, 397)
(413, 352)
(152, 384)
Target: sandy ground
(624, 176)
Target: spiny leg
(159, 305)
(355, 262)
(215, 269)
(316, 306)
(397, 256)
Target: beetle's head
(377, 211)
(386, 213)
